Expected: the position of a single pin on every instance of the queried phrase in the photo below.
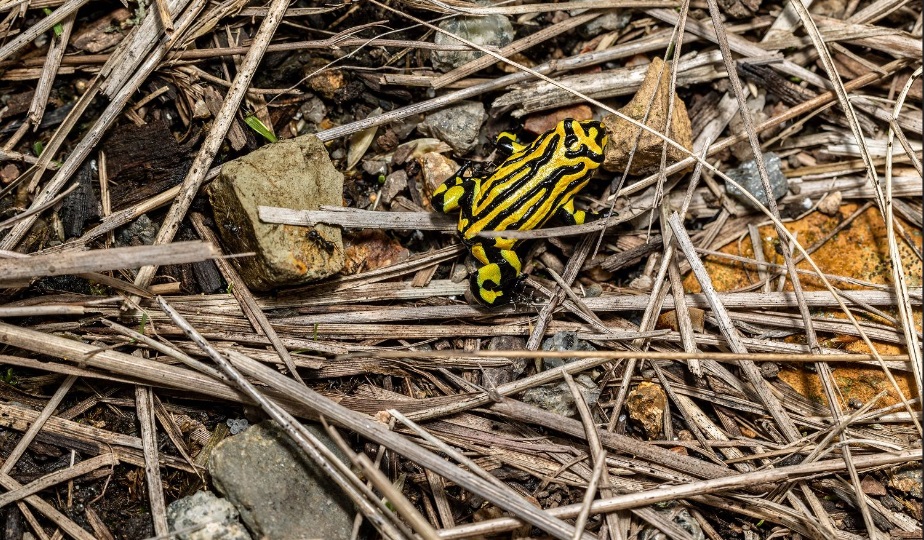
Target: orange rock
(646, 405)
(371, 249)
(859, 251)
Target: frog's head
(585, 139)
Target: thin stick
(43, 87)
(104, 259)
(163, 13)
(600, 475)
(36, 426)
(246, 299)
(589, 494)
(43, 25)
(655, 496)
(144, 406)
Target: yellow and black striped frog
(536, 182)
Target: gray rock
(557, 398)
(140, 232)
(205, 517)
(492, 30)
(395, 183)
(748, 177)
(279, 491)
(237, 425)
(313, 110)
(458, 125)
(292, 173)
(563, 341)
(616, 19)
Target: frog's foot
(450, 194)
(485, 289)
(497, 283)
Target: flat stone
(623, 135)
(206, 517)
(292, 173)
(491, 30)
(280, 492)
(557, 397)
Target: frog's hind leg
(496, 281)
(570, 216)
(453, 191)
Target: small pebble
(830, 205)
(769, 370)
(609, 22)
(458, 125)
(748, 178)
(237, 425)
(313, 110)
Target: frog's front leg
(568, 215)
(453, 191)
(495, 282)
(506, 143)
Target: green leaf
(258, 126)
(37, 148)
(57, 29)
(143, 323)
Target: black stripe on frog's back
(494, 197)
(547, 206)
(522, 171)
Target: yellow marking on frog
(478, 252)
(512, 258)
(504, 243)
(489, 272)
(490, 297)
(452, 196)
